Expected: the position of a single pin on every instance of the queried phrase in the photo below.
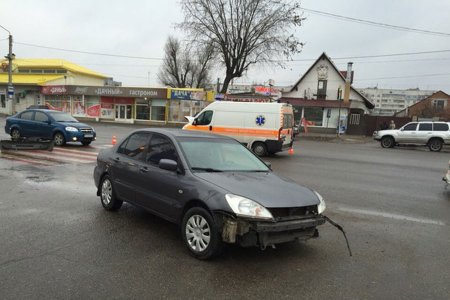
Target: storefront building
(152, 106)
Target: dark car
(49, 124)
(211, 185)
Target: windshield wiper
(206, 169)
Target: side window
(440, 127)
(135, 145)
(160, 148)
(40, 117)
(28, 115)
(205, 118)
(410, 127)
(425, 127)
(288, 121)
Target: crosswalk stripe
(57, 156)
(28, 160)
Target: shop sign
(187, 95)
(54, 90)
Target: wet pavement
(58, 242)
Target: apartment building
(389, 101)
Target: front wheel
(15, 134)
(59, 139)
(387, 142)
(435, 145)
(200, 233)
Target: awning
(315, 103)
(30, 79)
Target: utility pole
(10, 58)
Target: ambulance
(265, 128)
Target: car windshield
(63, 117)
(219, 155)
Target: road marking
(391, 216)
(58, 155)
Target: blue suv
(49, 124)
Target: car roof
(176, 133)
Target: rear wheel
(387, 142)
(200, 234)
(108, 195)
(435, 145)
(15, 134)
(259, 149)
(59, 139)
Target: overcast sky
(140, 28)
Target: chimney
(348, 80)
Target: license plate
(88, 135)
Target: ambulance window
(205, 118)
(288, 121)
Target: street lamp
(10, 58)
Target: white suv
(432, 134)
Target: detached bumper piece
(249, 233)
(27, 144)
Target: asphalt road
(56, 241)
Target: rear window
(288, 121)
(27, 115)
(440, 127)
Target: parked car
(432, 134)
(215, 188)
(49, 124)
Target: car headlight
(72, 129)
(322, 206)
(247, 208)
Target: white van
(265, 128)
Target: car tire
(15, 134)
(259, 149)
(387, 142)
(85, 143)
(59, 139)
(200, 234)
(108, 196)
(435, 145)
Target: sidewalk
(333, 138)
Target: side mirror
(195, 122)
(168, 164)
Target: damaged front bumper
(248, 232)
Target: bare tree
(244, 32)
(183, 67)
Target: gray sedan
(217, 190)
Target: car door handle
(143, 169)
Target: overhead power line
(377, 24)
(89, 52)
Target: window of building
(314, 115)
(142, 109)
(158, 111)
(439, 105)
(3, 100)
(322, 89)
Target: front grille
(288, 212)
(86, 130)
